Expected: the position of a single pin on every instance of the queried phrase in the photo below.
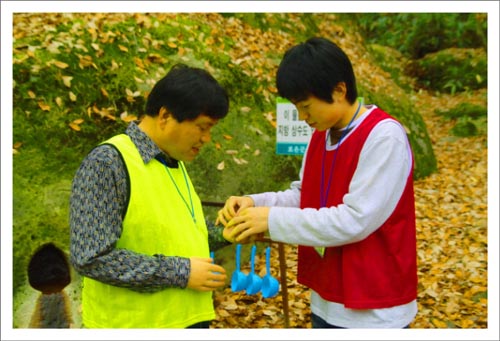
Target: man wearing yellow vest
(138, 235)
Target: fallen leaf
(273, 89)
(86, 61)
(59, 64)
(240, 161)
(75, 127)
(223, 313)
(230, 307)
(104, 93)
(132, 94)
(44, 106)
(139, 63)
(439, 323)
(114, 65)
(67, 81)
(127, 118)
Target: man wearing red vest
(352, 212)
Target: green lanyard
(189, 207)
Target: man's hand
(250, 224)
(205, 276)
(229, 234)
(231, 208)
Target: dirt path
(452, 223)
(451, 207)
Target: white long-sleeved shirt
(375, 189)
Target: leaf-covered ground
(451, 207)
(451, 204)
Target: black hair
(315, 67)
(48, 269)
(187, 92)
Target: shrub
(451, 70)
(470, 119)
(417, 34)
(464, 110)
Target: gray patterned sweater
(98, 202)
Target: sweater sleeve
(375, 189)
(97, 203)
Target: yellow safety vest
(157, 221)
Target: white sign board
(292, 135)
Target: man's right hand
(205, 276)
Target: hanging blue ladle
(239, 279)
(270, 285)
(254, 282)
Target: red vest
(377, 272)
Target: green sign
(292, 134)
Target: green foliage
(272, 21)
(249, 159)
(464, 110)
(451, 70)
(417, 34)
(40, 206)
(447, 50)
(425, 160)
(464, 127)
(391, 61)
(470, 119)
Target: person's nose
(303, 115)
(206, 137)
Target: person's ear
(339, 92)
(164, 116)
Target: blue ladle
(239, 279)
(254, 281)
(270, 285)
